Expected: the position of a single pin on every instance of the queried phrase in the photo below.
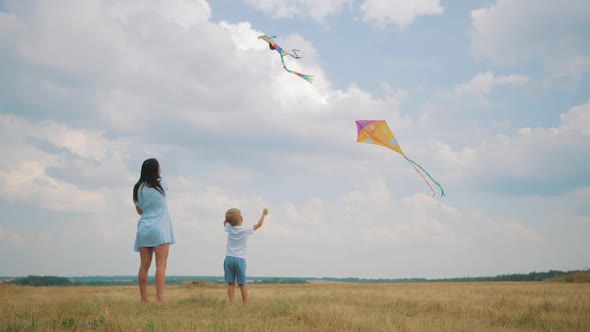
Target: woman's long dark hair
(149, 176)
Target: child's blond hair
(232, 216)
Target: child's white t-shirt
(237, 237)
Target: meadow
(467, 306)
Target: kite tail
(414, 164)
(308, 78)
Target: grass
(509, 306)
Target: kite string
(433, 180)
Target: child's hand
(264, 212)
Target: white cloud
(244, 36)
(384, 217)
(577, 119)
(160, 79)
(6, 235)
(32, 150)
(451, 105)
(314, 9)
(482, 84)
(30, 183)
(544, 161)
(380, 13)
(185, 13)
(514, 229)
(523, 32)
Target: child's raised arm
(261, 221)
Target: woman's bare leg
(161, 262)
(145, 255)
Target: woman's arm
(139, 211)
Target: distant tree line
(532, 276)
(41, 281)
(552, 275)
(280, 281)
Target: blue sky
(491, 97)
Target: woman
(154, 228)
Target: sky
(492, 97)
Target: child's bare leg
(244, 291)
(161, 262)
(231, 291)
(145, 255)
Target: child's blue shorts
(234, 268)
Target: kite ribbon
(414, 164)
(308, 78)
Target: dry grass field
(510, 306)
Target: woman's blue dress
(154, 227)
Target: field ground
(498, 306)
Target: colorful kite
(377, 132)
(273, 46)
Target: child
(234, 264)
